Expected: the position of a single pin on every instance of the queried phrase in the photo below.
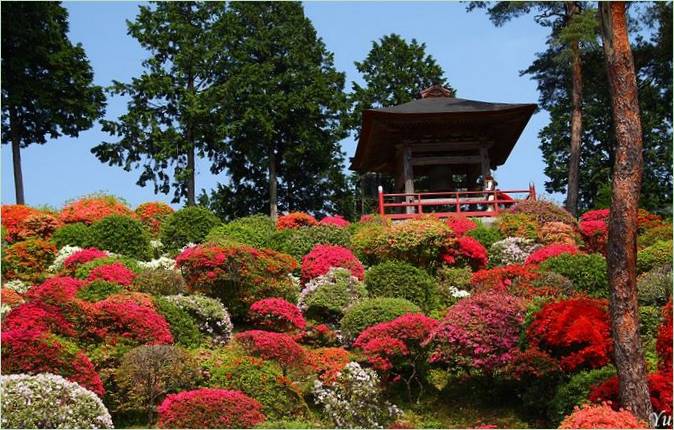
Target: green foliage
(655, 286)
(517, 225)
(656, 255)
(655, 234)
(649, 321)
(83, 270)
(98, 290)
(373, 311)
(299, 241)
(288, 424)
(588, 273)
(262, 380)
(402, 280)
(121, 235)
(331, 294)
(187, 225)
(485, 234)
(160, 282)
(451, 279)
(254, 230)
(575, 391)
(184, 329)
(76, 234)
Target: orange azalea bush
(13, 218)
(153, 214)
(601, 417)
(295, 220)
(27, 260)
(91, 209)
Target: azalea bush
(558, 232)
(116, 273)
(399, 279)
(369, 312)
(659, 387)
(517, 225)
(27, 260)
(575, 392)
(93, 208)
(664, 341)
(588, 273)
(238, 275)
(160, 281)
(544, 212)
(124, 318)
(657, 255)
(502, 278)
(328, 362)
(79, 257)
(76, 234)
(335, 220)
(278, 347)
(49, 401)
(575, 331)
(511, 250)
(153, 214)
(549, 251)
(254, 230)
(460, 224)
(210, 314)
(121, 235)
(466, 251)
(326, 297)
(595, 235)
(276, 314)
(601, 416)
(655, 286)
(324, 257)
(40, 225)
(188, 225)
(295, 220)
(298, 242)
(183, 326)
(209, 408)
(13, 218)
(487, 235)
(654, 235)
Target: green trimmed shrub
(554, 280)
(374, 311)
(262, 380)
(657, 255)
(121, 235)
(254, 230)
(486, 235)
(587, 272)
(83, 270)
(453, 283)
(184, 329)
(160, 282)
(517, 225)
(654, 235)
(326, 297)
(655, 286)
(298, 242)
(402, 280)
(98, 290)
(76, 234)
(188, 225)
(575, 391)
(649, 321)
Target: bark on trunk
(273, 186)
(622, 247)
(576, 118)
(191, 183)
(16, 158)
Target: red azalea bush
(460, 224)
(40, 225)
(153, 214)
(663, 345)
(276, 315)
(466, 251)
(40, 317)
(322, 258)
(503, 277)
(56, 290)
(336, 220)
(268, 345)
(91, 209)
(531, 364)
(595, 215)
(116, 273)
(209, 408)
(27, 260)
(83, 256)
(328, 362)
(601, 417)
(32, 351)
(479, 332)
(595, 235)
(117, 317)
(295, 220)
(549, 251)
(575, 331)
(659, 387)
(13, 217)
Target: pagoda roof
(438, 117)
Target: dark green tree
(283, 102)
(47, 82)
(174, 108)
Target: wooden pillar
(408, 176)
(484, 161)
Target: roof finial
(436, 90)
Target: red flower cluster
(295, 220)
(116, 273)
(58, 290)
(38, 316)
(209, 408)
(647, 220)
(460, 224)
(27, 260)
(531, 364)
(395, 343)
(268, 345)
(276, 315)
(575, 331)
(13, 217)
(663, 344)
(466, 250)
(595, 235)
(328, 362)
(322, 258)
(549, 251)
(29, 350)
(126, 318)
(601, 417)
(318, 335)
(84, 256)
(91, 209)
(336, 221)
(595, 215)
(153, 214)
(501, 278)
(40, 225)
(659, 387)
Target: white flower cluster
(334, 276)
(4, 309)
(511, 250)
(162, 262)
(49, 401)
(355, 399)
(156, 244)
(458, 293)
(211, 314)
(17, 285)
(61, 257)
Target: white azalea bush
(211, 315)
(20, 287)
(355, 399)
(162, 262)
(511, 250)
(49, 401)
(326, 297)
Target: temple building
(440, 152)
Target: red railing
(468, 203)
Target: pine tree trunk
(191, 183)
(576, 119)
(622, 247)
(273, 186)
(16, 158)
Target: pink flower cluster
(549, 251)
(335, 221)
(115, 272)
(601, 417)
(126, 318)
(268, 345)
(84, 256)
(276, 314)
(322, 258)
(56, 290)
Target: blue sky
(481, 61)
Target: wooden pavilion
(440, 151)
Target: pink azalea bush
(335, 220)
(549, 251)
(322, 258)
(276, 314)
